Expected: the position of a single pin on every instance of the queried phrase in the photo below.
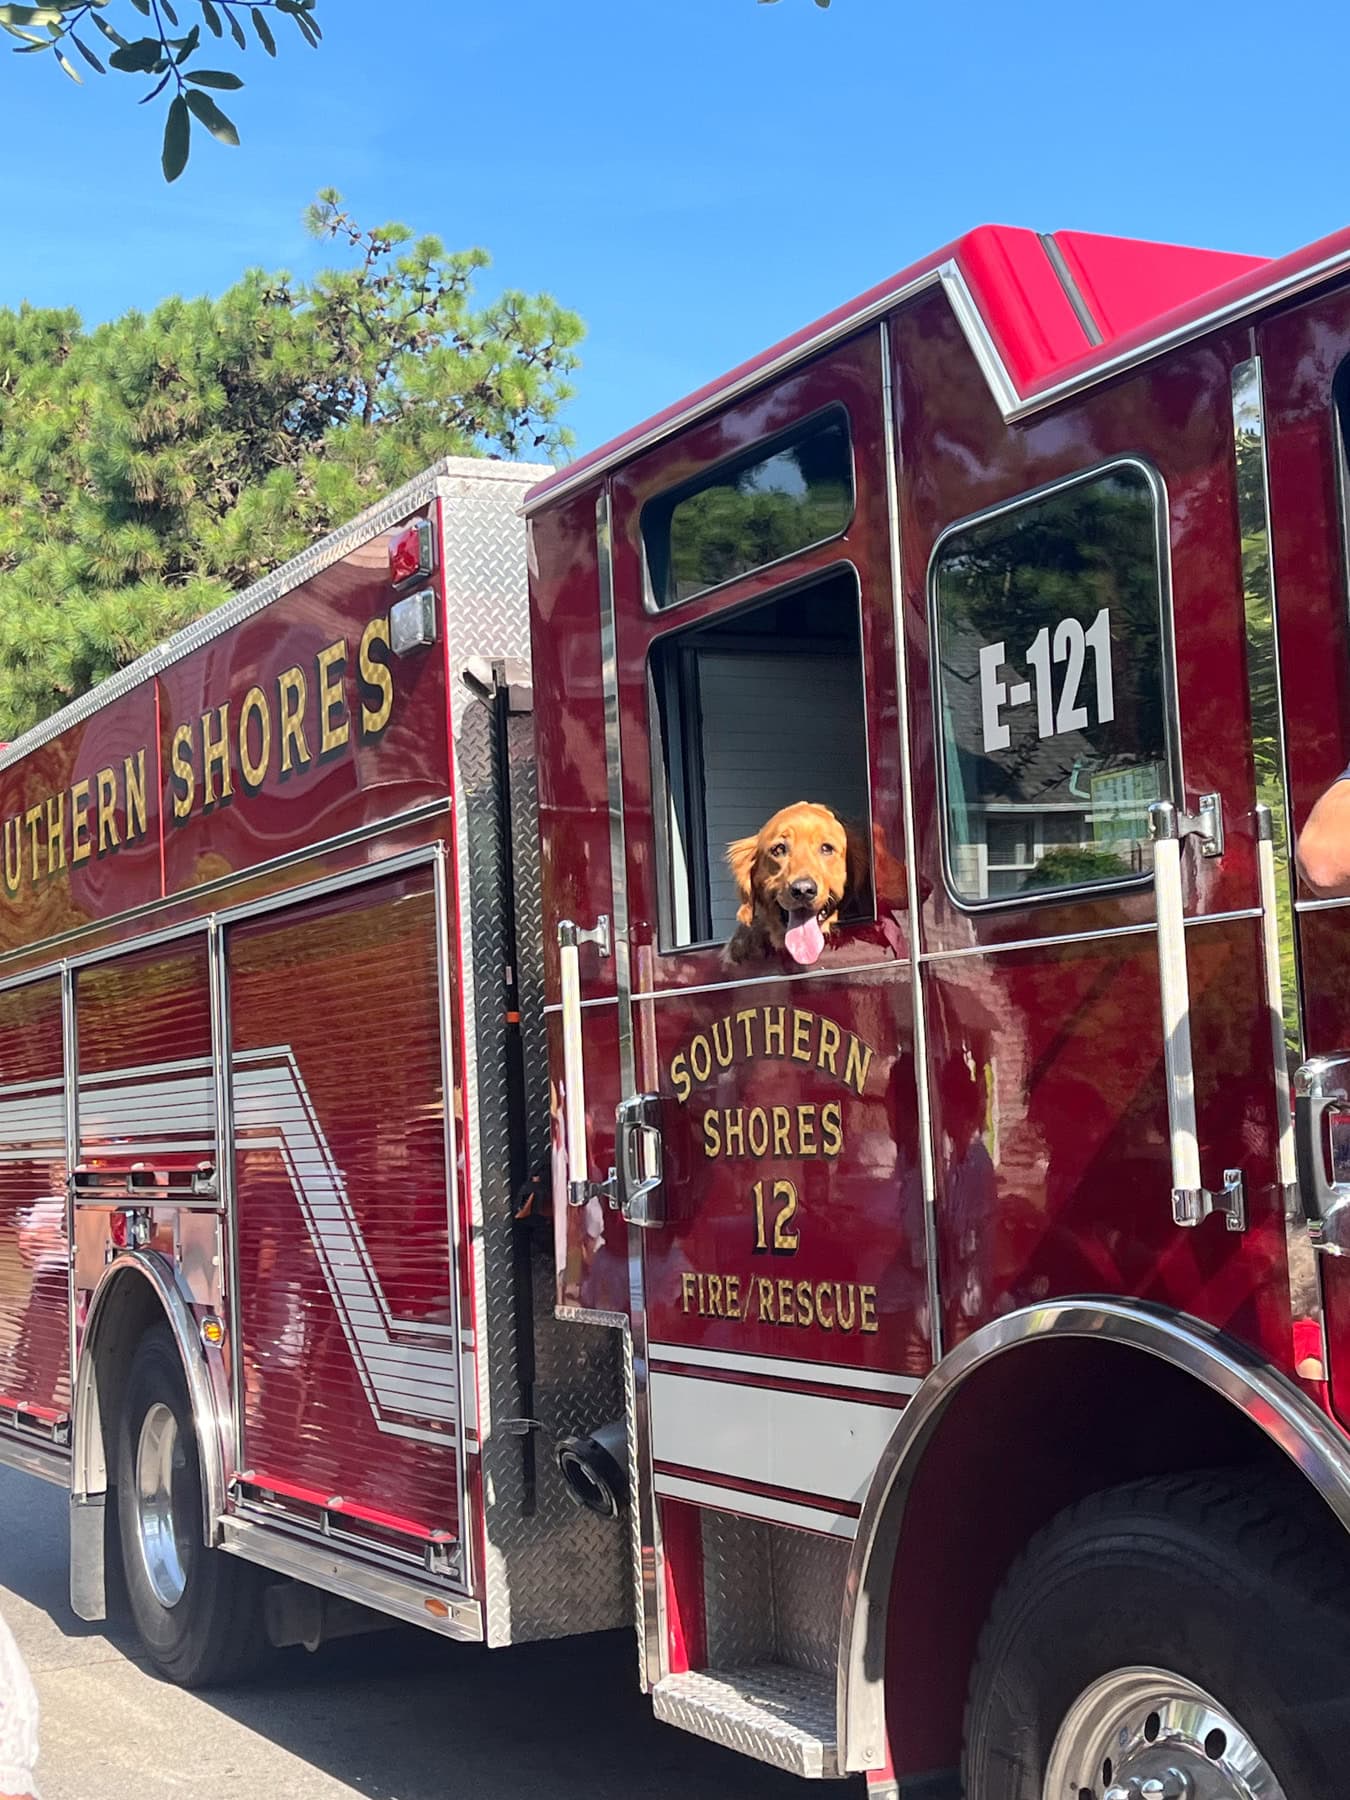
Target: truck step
(779, 1714)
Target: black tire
(1237, 1583)
(213, 1631)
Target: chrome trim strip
(422, 1603)
(326, 847)
(1142, 929)
(386, 513)
(897, 964)
(914, 897)
(1229, 1368)
(454, 1235)
(650, 1596)
(70, 1074)
(1307, 906)
(203, 1394)
(1162, 544)
(780, 1368)
(45, 1461)
(1073, 293)
(1274, 810)
(222, 1058)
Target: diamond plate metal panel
(737, 1591)
(808, 1598)
(779, 1715)
(558, 1570)
(772, 1594)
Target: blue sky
(696, 177)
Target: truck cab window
(778, 499)
(1049, 636)
(759, 709)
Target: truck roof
(1044, 313)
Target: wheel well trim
(1230, 1369)
(203, 1371)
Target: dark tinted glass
(750, 512)
(1049, 629)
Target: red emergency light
(412, 553)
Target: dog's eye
(778, 850)
(827, 849)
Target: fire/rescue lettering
(377, 685)
(757, 1032)
(254, 770)
(216, 756)
(332, 668)
(95, 815)
(292, 691)
(183, 781)
(846, 1307)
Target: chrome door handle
(640, 1158)
(1321, 1085)
(580, 1187)
(1192, 1201)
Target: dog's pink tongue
(805, 940)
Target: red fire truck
(947, 1338)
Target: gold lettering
(679, 1078)
(255, 703)
(180, 763)
(292, 693)
(332, 661)
(842, 1288)
(757, 1131)
(832, 1128)
(805, 1309)
(56, 832)
(377, 686)
(715, 1295)
(133, 779)
(801, 1035)
(712, 1142)
(786, 1296)
(32, 819)
(733, 1283)
(216, 756)
(766, 1306)
(868, 1299)
(733, 1131)
(806, 1130)
(782, 1131)
(106, 789)
(857, 1063)
(699, 1053)
(723, 1055)
(822, 1295)
(13, 854)
(745, 1019)
(80, 847)
(828, 1048)
(686, 1289)
(775, 1030)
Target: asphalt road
(396, 1716)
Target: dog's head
(792, 876)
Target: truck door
(785, 1267)
(1303, 371)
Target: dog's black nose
(803, 890)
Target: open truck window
(779, 498)
(1048, 625)
(758, 709)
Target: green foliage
(162, 52)
(151, 466)
(1073, 865)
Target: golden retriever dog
(793, 876)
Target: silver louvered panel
(779, 1715)
(559, 1570)
(771, 1594)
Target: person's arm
(1324, 843)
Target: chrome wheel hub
(163, 1507)
(1145, 1734)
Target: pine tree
(155, 464)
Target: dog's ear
(858, 862)
(741, 861)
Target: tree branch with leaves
(165, 53)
